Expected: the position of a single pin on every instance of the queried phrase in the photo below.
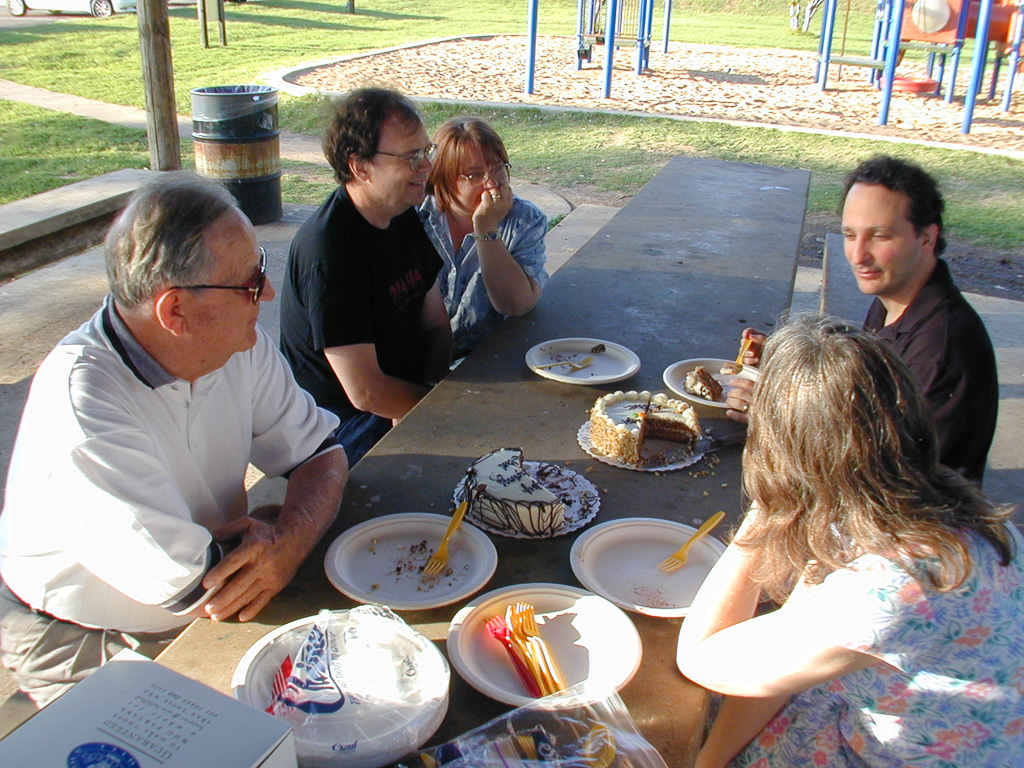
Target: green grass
(41, 149)
(100, 59)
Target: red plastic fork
(498, 629)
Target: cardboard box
(135, 713)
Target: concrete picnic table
(706, 249)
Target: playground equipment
(608, 23)
(940, 28)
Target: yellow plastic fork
(743, 350)
(576, 365)
(439, 559)
(677, 559)
(526, 622)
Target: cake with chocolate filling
(702, 384)
(507, 497)
(622, 421)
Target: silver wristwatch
(486, 237)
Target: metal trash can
(237, 142)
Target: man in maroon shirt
(892, 224)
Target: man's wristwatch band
(486, 236)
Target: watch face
(486, 237)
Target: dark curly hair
(926, 203)
(355, 123)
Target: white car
(97, 8)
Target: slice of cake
(621, 421)
(510, 499)
(702, 384)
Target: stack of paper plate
(382, 690)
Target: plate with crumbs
(381, 562)
(619, 561)
(675, 378)
(612, 362)
(577, 494)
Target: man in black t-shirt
(363, 323)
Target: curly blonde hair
(842, 460)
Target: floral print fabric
(948, 690)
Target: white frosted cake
(620, 422)
(510, 499)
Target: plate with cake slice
(582, 361)
(642, 431)
(706, 380)
(381, 561)
(526, 499)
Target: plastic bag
(565, 730)
(360, 687)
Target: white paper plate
(373, 733)
(578, 494)
(669, 462)
(614, 364)
(594, 643)
(619, 560)
(675, 378)
(380, 561)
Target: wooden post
(158, 79)
(351, 6)
(204, 36)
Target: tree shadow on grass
(339, 9)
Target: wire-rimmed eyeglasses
(417, 158)
(256, 290)
(498, 174)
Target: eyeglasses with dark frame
(255, 290)
(417, 158)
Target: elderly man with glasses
(363, 323)
(126, 513)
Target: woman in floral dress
(900, 641)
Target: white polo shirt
(120, 471)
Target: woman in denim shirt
(491, 241)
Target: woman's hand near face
(495, 203)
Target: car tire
(100, 8)
(16, 7)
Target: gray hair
(157, 241)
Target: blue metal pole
(531, 43)
(878, 36)
(977, 64)
(665, 26)
(825, 44)
(580, 26)
(954, 65)
(995, 75)
(609, 46)
(648, 33)
(892, 54)
(1011, 71)
(641, 25)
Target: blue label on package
(99, 755)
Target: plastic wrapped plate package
(572, 730)
(359, 687)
